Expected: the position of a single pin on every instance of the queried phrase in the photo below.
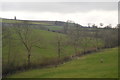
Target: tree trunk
(59, 51)
(29, 58)
(96, 44)
(75, 49)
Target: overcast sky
(79, 12)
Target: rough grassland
(88, 66)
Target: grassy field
(88, 66)
(21, 21)
(54, 27)
(47, 25)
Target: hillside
(45, 25)
(51, 25)
(83, 67)
(37, 44)
(46, 49)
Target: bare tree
(101, 24)
(96, 33)
(60, 44)
(27, 36)
(108, 26)
(68, 25)
(89, 24)
(65, 27)
(94, 26)
(74, 34)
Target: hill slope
(46, 50)
(51, 25)
(84, 67)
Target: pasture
(88, 66)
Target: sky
(79, 12)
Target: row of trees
(100, 25)
(108, 34)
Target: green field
(54, 27)
(88, 66)
(50, 26)
(21, 21)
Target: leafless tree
(68, 25)
(94, 26)
(74, 35)
(108, 26)
(101, 24)
(60, 44)
(28, 38)
(89, 24)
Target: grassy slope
(47, 50)
(88, 66)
